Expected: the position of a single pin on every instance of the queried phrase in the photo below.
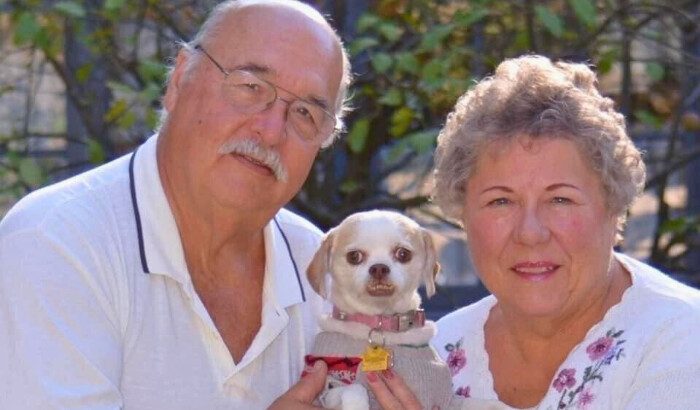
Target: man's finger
(305, 391)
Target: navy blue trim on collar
(294, 263)
(137, 216)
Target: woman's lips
(535, 271)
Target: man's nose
(271, 122)
(531, 229)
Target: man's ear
(320, 265)
(173, 87)
(431, 267)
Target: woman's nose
(531, 229)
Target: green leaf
(83, 72)
(467, 18)
(435, 36)
(381, 62)
(151, 92)
(422, 141)
(648, 118)
(26, 28)
(96, 154)
(551, 21)
(127, 120)
(30, 172)
(350, 186)
(152, 118)
(151, 70)
(357, 137)
(401, 121)
(43, 40)
(433, 70)
(406, 61)
(367, 21)
(361, 44)
(112, 5)
(392, 98)
(390, 31)
(70, 9)
(585, 11)
(606, 61)
(674, 225)
(117, 109)
(655, 70)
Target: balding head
(231, 13)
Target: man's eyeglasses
(251, 94)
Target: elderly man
(171, 278)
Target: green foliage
(585, 11)
(70, 9)
(551, 21)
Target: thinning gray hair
(225, 9)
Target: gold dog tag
(376, 358)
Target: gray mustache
(253, 149)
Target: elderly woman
(538, 167)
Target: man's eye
(561, 200)
(355, 257)
(304, 112)
(252, 86)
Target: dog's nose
(379, 270)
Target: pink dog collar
(399, 322)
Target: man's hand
(301, 395)
(391, 391)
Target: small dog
(376, 261)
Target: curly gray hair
(532, 96)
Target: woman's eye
(561, 200)
(499, 202)
(354, 257)
(403, 255)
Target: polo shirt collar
(160, 247)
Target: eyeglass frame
(275, 87)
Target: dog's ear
(319, 266)
(431, 267)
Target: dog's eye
(355, 257)
(403, 255)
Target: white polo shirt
(98, 311)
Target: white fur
(377, 234)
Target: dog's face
(376, 261)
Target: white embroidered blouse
(644, 354)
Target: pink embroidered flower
(599, 348)
(456, 360)
(565, 379)
(585, 399)
(464, 391)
